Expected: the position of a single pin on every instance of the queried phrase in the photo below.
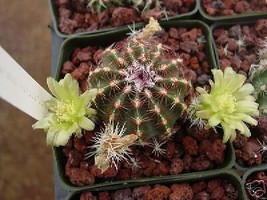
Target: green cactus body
(259, 81)
(258, 78)
(140, 85)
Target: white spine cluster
(111, 147)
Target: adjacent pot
(230, 18)
(229, 176)
(105, 39)
(228, 25)
(222, 64)
(55, 14)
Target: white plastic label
(19, 89)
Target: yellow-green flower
(229, 104)
(69, 112)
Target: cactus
(260, 83)
(258, 77)
(139, 5)
(140, 84)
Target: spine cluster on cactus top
(139, 83)
(139, 5)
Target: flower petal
(239, 126)
(56, 89)
(205, 99)
(204, 114)
(228, 132)
(233, 136)
(248, 119)
(50, 138)
(70, 86)
(66, 89)
(247, 107)
(214, 120)
(87, 96)
(86, 124)
(91, 111)
(41, 124)
(73, 128)
(244, 91)
(246, 132)
(57, 138)
(232, 80)
(201, 90)
(249, 98)
(61, 138)
(218, 77)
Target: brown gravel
(230, 7)
(221, 189)
(237, 46)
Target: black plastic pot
(54, 16)
(225, 175)
(105, 39)
(230, 18)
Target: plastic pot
(230, 18)
(225, 175)
(246, 169)
(55, 14)
(105, 39)
(228, 25)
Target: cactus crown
(139, 84)
(258, 77)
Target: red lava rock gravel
(81, 171)
(230, 7)
(237, 46)
(221, 189)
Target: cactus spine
(140, 84)
(139, 5)
(100, 5)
